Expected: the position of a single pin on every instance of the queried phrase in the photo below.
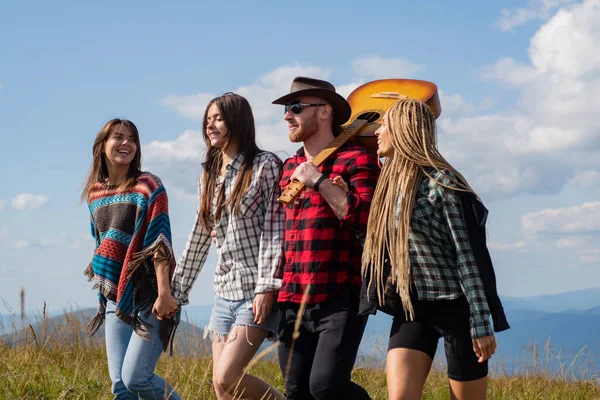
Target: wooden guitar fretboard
(295, 187)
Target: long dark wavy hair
(239, 120)
(98, 170)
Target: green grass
(80, 372)
(51, 367)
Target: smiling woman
(116, 156)
(238, 204)
(120, 148)
(130, 224)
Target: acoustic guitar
(369, 102)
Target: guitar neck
(349, 132)
(295, 187)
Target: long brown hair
(98, 170)
(239, 120)
(412, 133)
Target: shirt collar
(235, 163)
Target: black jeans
(323, 355)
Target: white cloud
(584, 218)
(2, 204)
(346, 89)
(376, 67)
(81, 241)
(191, 106)
(281, 77)
(453, 104)
(178, 161)
(187, 147)
(536, 10)
(489, 150)
(29, 201)
(582, 247)
(21, 244)
(590, 256)
(527, 149)
(506, 246)
(53, 241)
(63, 240)
(570, 243)
(260, 94)
(589, 178)
(507, 71)
(567, 43)
(58, 240)
(537, 145)
(487, 102)
(568, 233)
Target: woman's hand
(262, 306)
(484, 347)
(340, 182)
(165, 306)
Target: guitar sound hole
(371, 116)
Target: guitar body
(371, 100)
(369, 103)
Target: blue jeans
(132, 359)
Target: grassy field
(80, 372)
(46, 365)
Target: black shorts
(434, 319)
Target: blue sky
(519, 85)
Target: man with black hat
(322, 253)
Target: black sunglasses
(297, 108)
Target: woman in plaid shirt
(425, 261)
(238, 202)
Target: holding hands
(340, 182)
(165, 306)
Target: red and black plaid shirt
(320, 249)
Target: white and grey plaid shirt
(249, 246)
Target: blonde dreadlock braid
(412, 133)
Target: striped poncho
(129, 225)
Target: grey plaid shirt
(249, 246)
(442, 262)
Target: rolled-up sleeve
(363, 179)
(271, 240)
(470, 280)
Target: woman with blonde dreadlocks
(425, 261)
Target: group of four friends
(405, 236)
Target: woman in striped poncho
(132, 263)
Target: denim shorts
(227, 314)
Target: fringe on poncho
(129, 226)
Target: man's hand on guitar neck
(334, 194)
(307, 173)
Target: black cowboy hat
(303, 86)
